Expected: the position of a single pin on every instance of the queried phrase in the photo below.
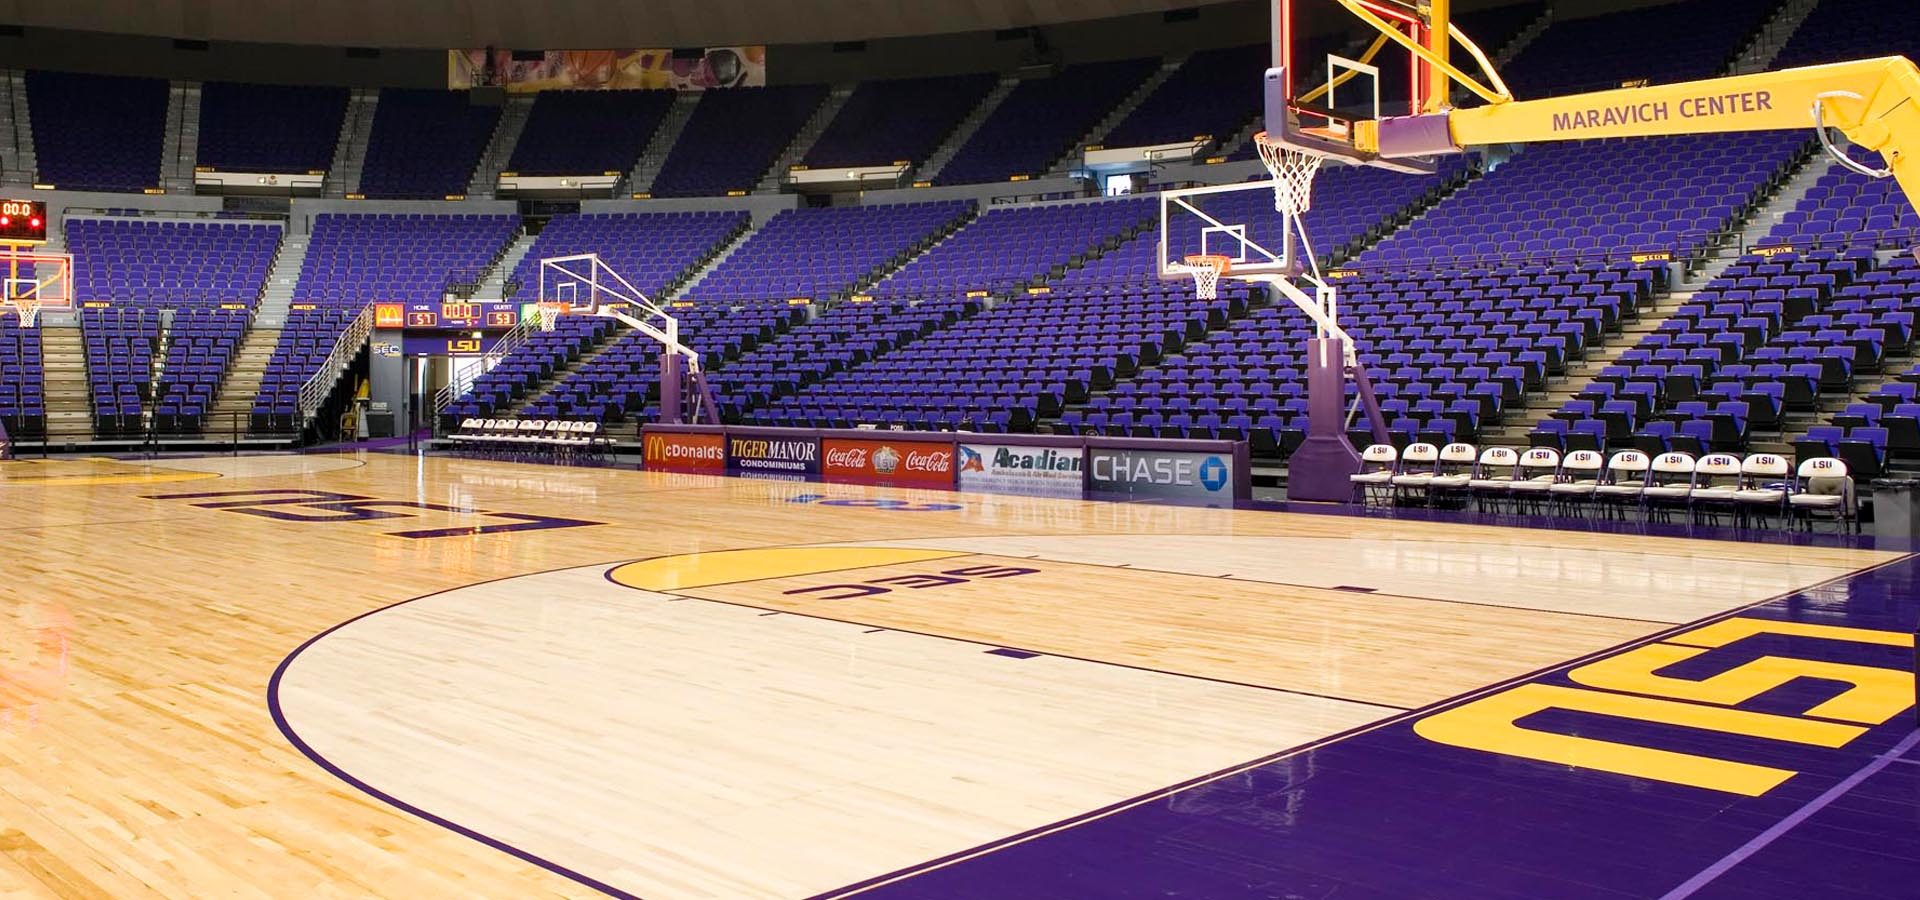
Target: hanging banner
(661, 70)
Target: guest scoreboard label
(459, 315)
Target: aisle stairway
(242, 384)
(69, 403)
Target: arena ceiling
(558, 24)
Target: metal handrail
(315, 392)
(462, 383)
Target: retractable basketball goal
(35, 281)
(584, 285)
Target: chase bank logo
(1213, 473)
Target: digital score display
(459, 315)
(23, 221)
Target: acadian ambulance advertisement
(1027, 471)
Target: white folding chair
(1539, 469)
(1452, 474)
(1376, 473)
(1418, 464)
(1579, 480)
(1823, 486)
(1624, 483)
(1493, 476)
(1763, 486)
(1669, 484)
(1716, 479)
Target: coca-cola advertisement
(887, 462)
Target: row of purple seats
(652, 251)
(900, 119)
(400, 257)
(1352, 204)
(1841, 30)
(306, 338)
(170, 263)
(1607, 198)
(269, 127)
(623, 380)
(425, 144)
(818, 253)
(588, 132)
(119, 346)
(733, 138)
(1671, 42)
(1014, 246)
(201, 344)
(97, 132)
(534, 361)
(1043, 119)
(839, 338)
(1847, 209)
(23, 399)
(1214, 92)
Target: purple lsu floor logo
(327, 507)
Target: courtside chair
(1763, 487)
(1823, 488)
(1624, 483)
(1579, 481)
(1377, 468)
(1450, 478)
(1539, 469)
(1669, 484)
(1418, 465)
(1493, 477)
(1716, 481)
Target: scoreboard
(453, 315)
(23, 222)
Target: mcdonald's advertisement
(673, 451)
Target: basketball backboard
(1237, 221)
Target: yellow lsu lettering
(1875, 695)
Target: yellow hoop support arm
(1495, 94)
(1874, 102)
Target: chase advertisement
(887, 462)
(780, 455)
(1164, 474)
(1026, 471)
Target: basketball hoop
(548, 315)
(1293, 170)
(1206, 269)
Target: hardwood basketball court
(377, 674)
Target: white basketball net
(1293, 170)
(1206, 278)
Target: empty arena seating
(166, 263)
(401, 257)
(650, 250)
(120, 344)
(1663, 43)
(845, 335)
(200, 348)
(588, 132)
(817, 253)
(1846, 209)
(1600, 198)
(541, 440)
(1352, 204)
(269, 128)
(1215, 92)
(733, 138)
(531, 363)
(97, 132)
(425, 144)
(1771, 334)
(1840, 30)
(1008, 247)
(353, 260)
(1043, 119)
(901, 119)
(992, 371)
(23, 401)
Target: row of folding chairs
(1760, 488)
(542, 440)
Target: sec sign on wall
(887, 462)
